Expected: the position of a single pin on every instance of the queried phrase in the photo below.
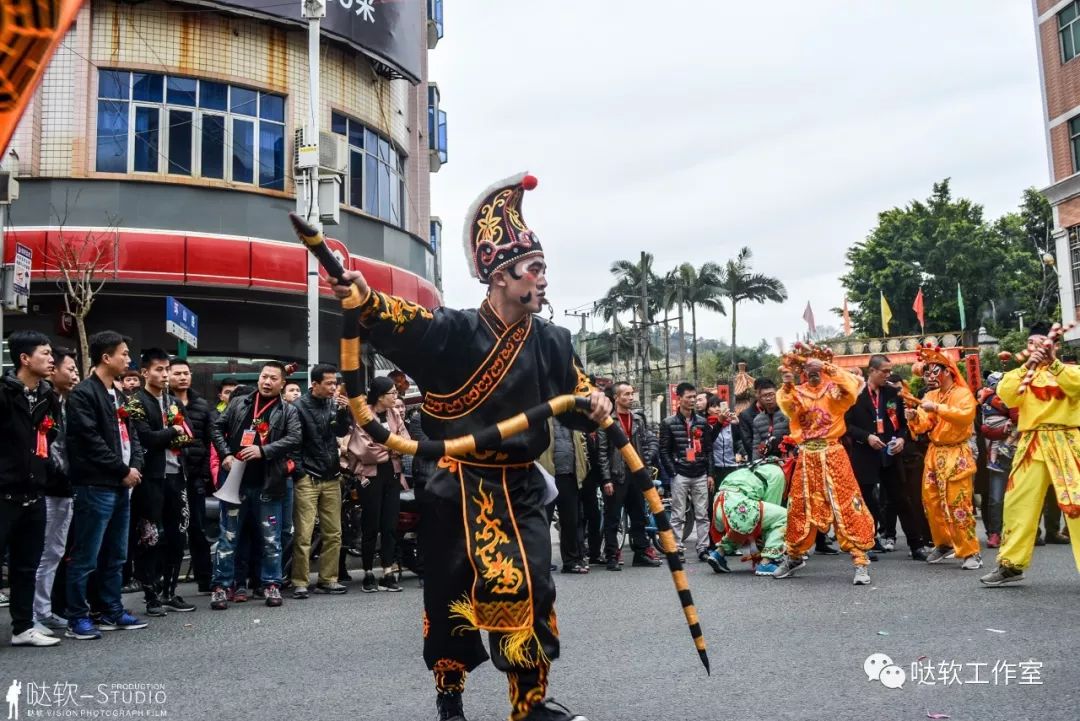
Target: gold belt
(817, 444)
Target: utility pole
(307, 203)
(645, 328)
(682, 336)
(614, 345)
(582, 345)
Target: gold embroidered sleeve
(381, 309)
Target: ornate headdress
(933, 355)
(801, 352)
(496, 236)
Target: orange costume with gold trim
(824, 491)
(950, 465)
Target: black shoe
(872, 556)
(344, 577)
(204, 588)
(178, 604)
(449, 706)
(1059, 538)
(1039, 540)
(596, 561)
(823, 547)
(918, 554)
(369, 585)
(550, 711)
(703, 556)
(155, 608)
(642, 559)
(575, 568)
(389, 583)
(613, 564)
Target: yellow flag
(886, 314)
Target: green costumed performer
(748, 515)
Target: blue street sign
(181, 322)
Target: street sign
(16, 295)
(181, 322)
(24, 258)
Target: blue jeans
(286, 516)
(99, 542)
(267, 512)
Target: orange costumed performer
(824, 491)
(947, 415)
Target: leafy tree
(701, 288)
(941, 242)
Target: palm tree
(700, 288)
(737, 283)
(625, 295)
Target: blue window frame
(154, 123)
(436, 125)
(374, 181)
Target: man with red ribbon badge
(685, 447)
(28, 413)
(1048, 454)
(261, 432)
(159, 504)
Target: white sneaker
(972, 563)
(862, 576)
(889, 544)
(33, 637)
(43, 629)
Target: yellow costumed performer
(947, 415)
(1048, 454)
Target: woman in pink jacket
(379, 471)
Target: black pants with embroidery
(160, 507)
(452, 643)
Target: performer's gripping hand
(600, 407)
(353, 277)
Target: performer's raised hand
(599, 407)
(351, 277)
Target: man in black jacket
(324, 417)
(619, 491)
(876, 432)
(256, 433)
(159, 504)
(195, 457)
(50, 585)
(684, 452)
(28, 414)
(105, 461)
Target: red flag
(847, 318)
(920, 311)
(31, 33)
(808, 316)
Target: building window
(151, 123)
(374, 181)
(436, 128)
(435, 236)
(1074, 258)
(1074, 142)
(435, 18)
(1069, 31)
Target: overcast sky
(691, 128)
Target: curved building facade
(161, 146)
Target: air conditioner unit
(9, 187)
(333, 153)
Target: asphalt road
(791, 649)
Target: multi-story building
(162, 142)
(1057, 37)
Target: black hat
(1039, 328)
(380, 386)
(496, 236)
